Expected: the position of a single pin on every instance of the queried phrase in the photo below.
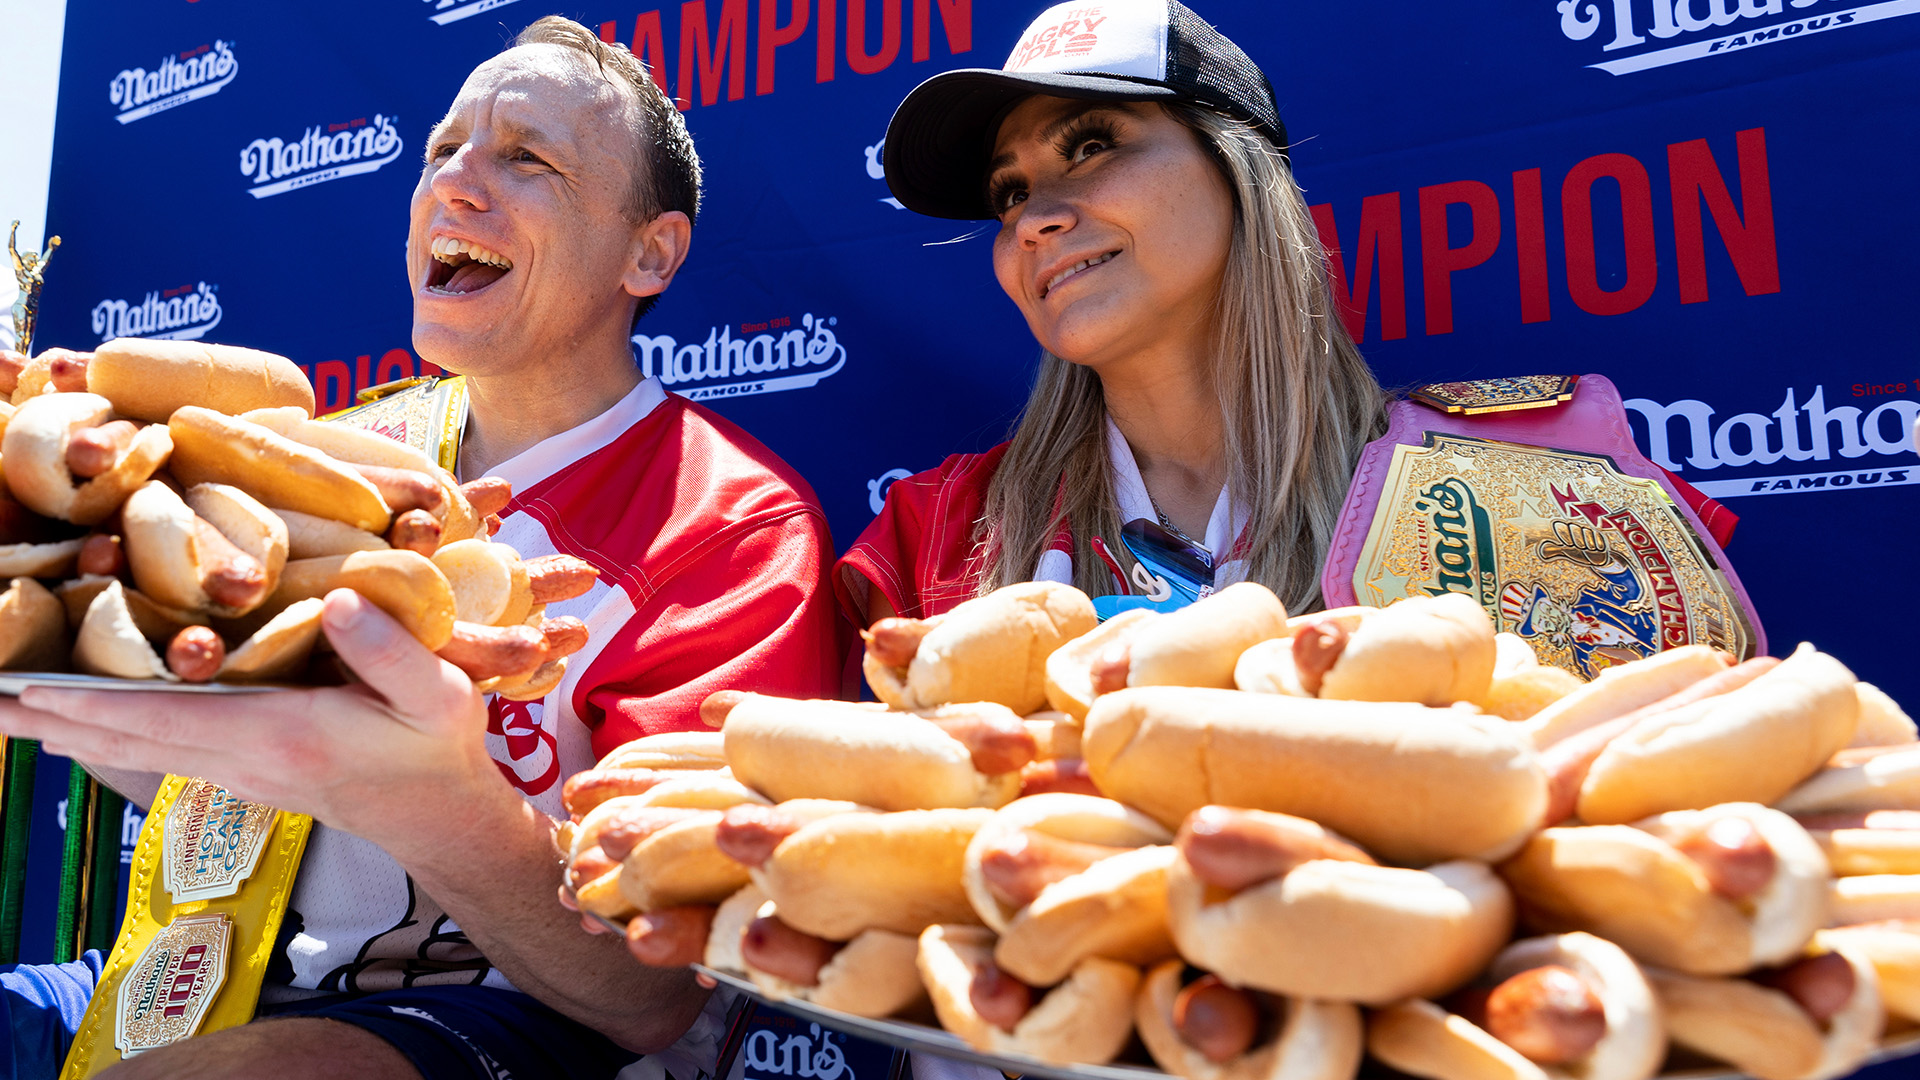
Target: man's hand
(364, 759)
(400, 761)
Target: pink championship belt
(1533, 499)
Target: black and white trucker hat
(942, 135)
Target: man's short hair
(666, 170)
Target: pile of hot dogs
(171, 511)
(1273, 846)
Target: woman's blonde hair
(1297, 402)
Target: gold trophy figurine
(30, 269)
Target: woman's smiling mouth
(1076, 268)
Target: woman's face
(1114, 228)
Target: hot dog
(102, 554)
(11, 365)
(1892, 947)
(585, 790)
(697, 751)
(148, 380)
(1194, 646)
(403, 489)
(1333, 924)
(1084, 1019)
(37, 444)
(210, 447)
(671, 937)
(94, 450)
(872, 974)
(414, 480)
(1464, 786)
(1867, 842)
(990, 649)
(488, 495)
(663, 841)
(1623, 688)
(565, 635)
(1568, 761)
(1771, 1026)
(848, 872)
(1063, 877)
(33, 628)
(67, 370)
(1751, 744)
(1237, 849)
(1432, 650)
(1070, 677)
(1065, 775)
(1558, 1007)
(554, 578)
(196, 653)
(489, 652)
(415, 530)
(1708, 892)
(1208, 1030)
(868, 755)
(216, 550)
(405, 585)
(892, 642)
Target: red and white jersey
(712, 556)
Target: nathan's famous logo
(1455, 534)
(797, 1055)
(1627, 603)
(323, 153)
(447, 11)
(1641, 30)
(176, 80)
(1874, 433)
(764, 358)
(179, 314)
(877, 170)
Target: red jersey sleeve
(748, 610)
(920, 551)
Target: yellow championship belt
(213, 874)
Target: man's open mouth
(462, 266)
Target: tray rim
(907, 1035)
(12, 682)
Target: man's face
(520, 244)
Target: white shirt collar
(1223, 527)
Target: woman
(1198, 402)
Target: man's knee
(294, 1048)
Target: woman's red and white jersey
(712, 556)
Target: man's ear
(659, 247)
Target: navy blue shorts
(447, 1032)
(456, 1032)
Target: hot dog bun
(489, 582)
(33, 628)
(1751, 745)
(874, 975)
(359, 446)
(110, 643)
(1629, 884)
(1345, 931)
(1421, 1038)
(1198, 645)
(213, 447)
(1763, 1032)
(49, 560)
(669, 750)
(311, 537)
(1882, 721)
(1889, 781)
(403, 584)
(1084, 1020)
(279, 649)
(1463, 786)
(1620, 690)
(851, 872)
(1893, 948)
(993, 648)
(35, 448)
(1069, 668)
(1432, 650)
(679, 864)
(1317, 1040)
(864, 754)
(1116, 908)
(148, 380)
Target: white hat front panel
(1114, 37)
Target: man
(556, 202)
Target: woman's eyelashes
(1083, 139)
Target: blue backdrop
(1708, 201)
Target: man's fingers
(418, 685)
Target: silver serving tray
(910, 1036)
(12, 682)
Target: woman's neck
(1169, 413)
